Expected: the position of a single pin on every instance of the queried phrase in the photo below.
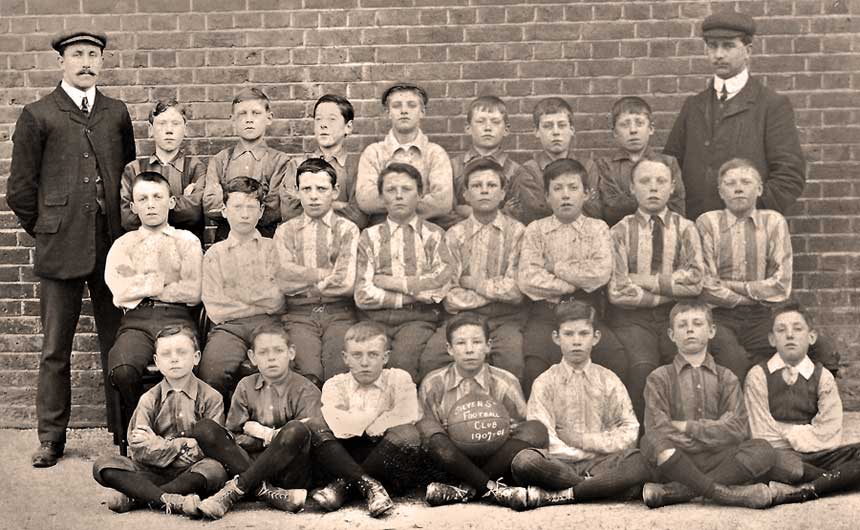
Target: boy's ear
(771, 339)
(813, 336)
(555, 338)
(347, 129)
(171, 202)
(292, 352)
(671, 333)
(385, 356)
(596, 337)
(712, 331)
(197, 357)
(151, 131)
(133, 207)
(449, 348)
(252, 356)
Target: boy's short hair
(270, 328)
(552, 105)
(150, 176)
(737, 163)
(401, 167)
(575, 310)
(484, 164)
(177, 329)
(249, 94)
(466, 319)
(342, 103)
(630, 105)
(245, 185)
(564, 166)
(489, 104)
(364, 331)
(316, 165)
(690, 305)
(792, 307)
(404, 87)
(163, 105)
(650, 157)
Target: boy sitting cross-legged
(794, 404)
(658, 260)
(372, 410)
(696, 424)
(486, 251)
(239, 288)
(469, 374)
(167, 468)
(273, 425)
(592, 429)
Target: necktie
(656, 244)
(789, 375)
(724, 94)
(85, 107)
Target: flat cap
(78, 36)
(728, 25)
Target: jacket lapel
(744, 100)
(99, 109)
(65, 104)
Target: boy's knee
(524, 462)
(207, 431)
(758, 456)
(403, 436)
(125, 378)
(292, 435)
(533, 433)
(664, 456)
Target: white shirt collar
(393, 226)
(733, 84)
(77, 95)
(805, 367)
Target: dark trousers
(541, 352)
(409, 329)
(60, 307)
(643, 332)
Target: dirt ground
(66, 497)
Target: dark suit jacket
(757, 124)
(58, 151)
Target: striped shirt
(414, 251)
(489, 253)
(350, 408)
(346, 167)
(273, 405)
(707, 397)
(522, 193)
(681, 266)
(442, 388)
(535, 166)
(171, 413)
(164, 265)
(755, 250)
(592, 403)
(429, 159)
(328, 242)
(558, 258)
(188, 210)
(239, 279)
(261, 163)
(614, 174)
(825, 430)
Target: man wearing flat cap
(736, 117)
(69, 151)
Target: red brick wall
(589, 52)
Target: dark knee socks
(499, 465)
(217, 443)
(455, 463)
(338, 461)
(679, 468)
(634, 471)
(288, 443)
(134, 485)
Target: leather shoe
(48, 454)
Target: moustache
(86, 71)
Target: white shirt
(733, 84)
(77, 94)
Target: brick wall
(203, 51)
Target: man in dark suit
(69, 151)
(736, 117)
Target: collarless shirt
(142, 259)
